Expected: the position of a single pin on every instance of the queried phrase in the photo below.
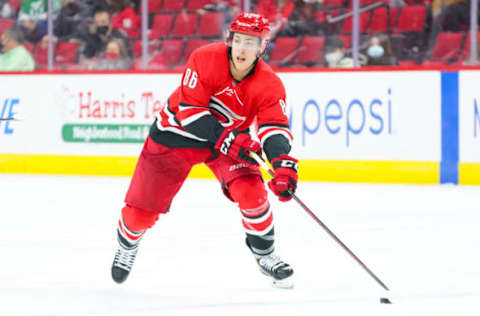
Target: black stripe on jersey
(174, 140)
(276, 145)
(173, 113)
(274, 125)
(205, 127)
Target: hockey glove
(237, 145)
(284, 182)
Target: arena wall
(413, 126)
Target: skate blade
(283, 284)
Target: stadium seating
(168, 56)
(447, 46)
(311, 51)
(161, 26)
(211, 25)
(347, 25)
(411, 19)
(173, 5)
(66, 53)
(284, 51)
(185, 25)
(197, 4)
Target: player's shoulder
(267, 76)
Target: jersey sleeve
(195, 92)
(273, 124)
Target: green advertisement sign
(105, 133)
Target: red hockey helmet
(252, 24)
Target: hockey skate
(272, 266)
(281, 272)
(124, 259)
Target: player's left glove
(284, 182)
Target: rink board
(348, 126)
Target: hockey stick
(264, 165)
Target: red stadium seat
(197, 4)
(311, 50)
(66, 53)
(161, 26)
(154, 5)
(379, 21)
(168, 56)
(211, 25)
(447, 46)
(347, 24)
(173, 5)
(333, 3)
(138, 48)
(191, 46)
(5, 24)
(411, 19)
(41, 56)
(284, 51)
(184, 25)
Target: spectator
(379, 51)
(115, 56)
(277, 12)
(451, 15)
(99, 34)
(32, 18)
(335, 54)
(124, 17)
(69, 20)
(304, 20)
(14, 56)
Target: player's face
(245, 49)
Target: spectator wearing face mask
(115, 57)
(100, 33)
(13, 56)
(379, 51)
(335, 54)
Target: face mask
(102, 30)
(375, 51)
(333, 58)
(111, 55)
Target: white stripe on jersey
(194, 117)
(177, 130)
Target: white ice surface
(57, 242)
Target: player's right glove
(237, 146)
(284, 182)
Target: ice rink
(58, 242)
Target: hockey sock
(126, 237)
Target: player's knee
(249, 192)
(137, 219)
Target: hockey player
(226, 88)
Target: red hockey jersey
(208, 90)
